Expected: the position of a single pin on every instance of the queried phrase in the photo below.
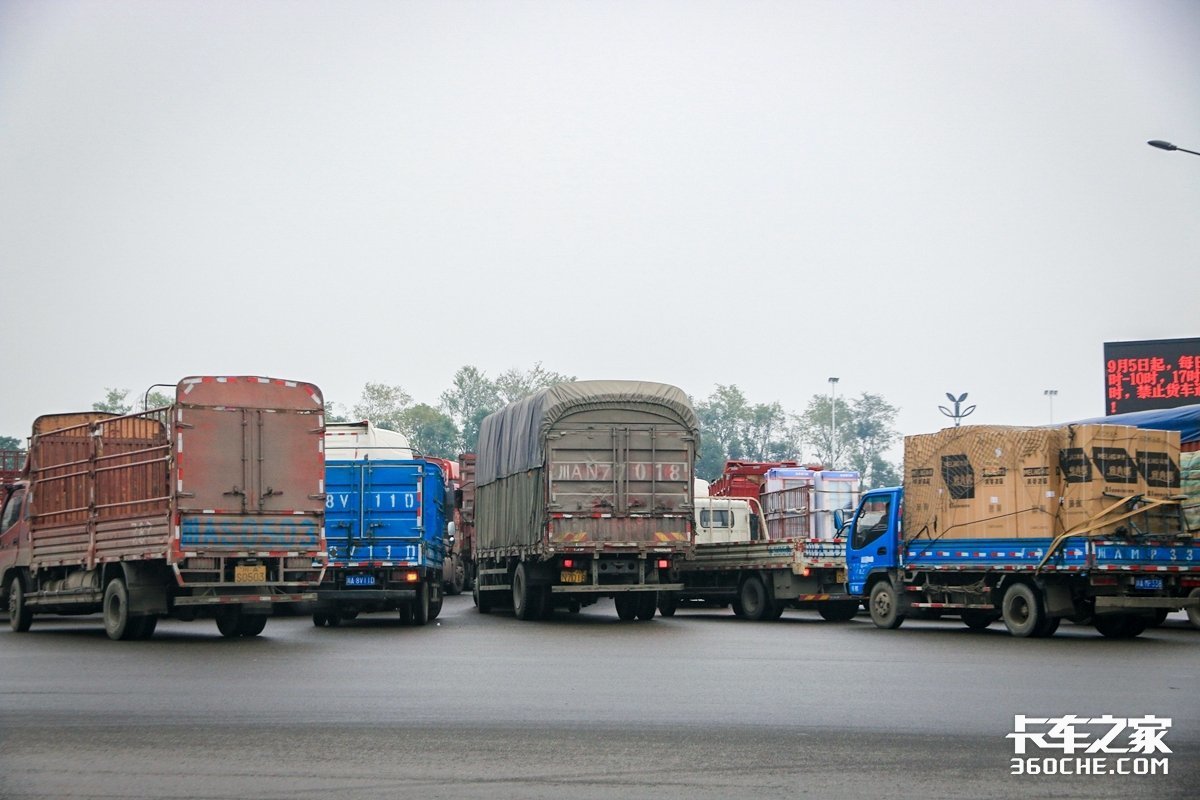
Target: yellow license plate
(841, 576)
(256, 573)
(573, 576)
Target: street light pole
(1051, 394)
(1161, 145)
(833, 423)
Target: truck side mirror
(839, 520)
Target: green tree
(864, 433)
(515, 384)
(332, 414)
(116, 401)
(382, 404)
(733, 428)
(11, 443)
(429, 431)
(472, 397)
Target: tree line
(731, 426)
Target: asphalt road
(699, 706)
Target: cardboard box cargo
(1101, 464)
(991, 481)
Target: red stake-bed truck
(213, 506)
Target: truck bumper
(364, 595)
(1115, 605)
(242, 599)
(583, 588)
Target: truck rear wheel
(754, 600)
(458, 577)
(668, 602)
(20, 616)
(250, 625)
(228, 618)
(978, 620)
(627, 606)
(1022, 610)
(143, 627)
(483, 600)
(1120, 626)
(420, 606)
(647, 605)
(524, 596)
(885, 606)
(840, 611)
(118, 624)
(1193, 614)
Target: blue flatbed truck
(1116, 583)
(385, 523)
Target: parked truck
(738, 561)
(1031, 526)
(464, 518)
(385, 523)
(211, 507)
(584, 490)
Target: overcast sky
(913, 197)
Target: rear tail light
(1104, 580)
(411, 577)
(201, 563)
(664, 563)
(568, 563)
(299, 563)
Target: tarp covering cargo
(1185, 419)
(611, 459)
(513, 439)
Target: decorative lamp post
(833, 423)
(1161, 145)
(959, 412)
(1051, 393)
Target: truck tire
(420, 606)
(647, 605)
(1022, 610)
(228, 618)
(1193, 614)
(1047, 626)
(143, 627)
(627, 606)
(458, 577)
(668, 602)
(118, 623)
(755, 602)
(1120, 626)
(884, 606)
(435, 607)
(524, 596)
(251, 625)
(20, 616)
(483, 600)
(978, 620)
(840, 611)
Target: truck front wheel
(1022, 610)
(20, 616)
(885, 606)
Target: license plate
(1148, 583)
(573, 576)
(253, 573)
(360, 580)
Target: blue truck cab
(385, 526)
(873, 538)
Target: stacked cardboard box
(988, 481)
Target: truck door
(873, 539)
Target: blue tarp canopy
(1185, 419)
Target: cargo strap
(1088, 528)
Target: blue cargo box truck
(385, 523)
